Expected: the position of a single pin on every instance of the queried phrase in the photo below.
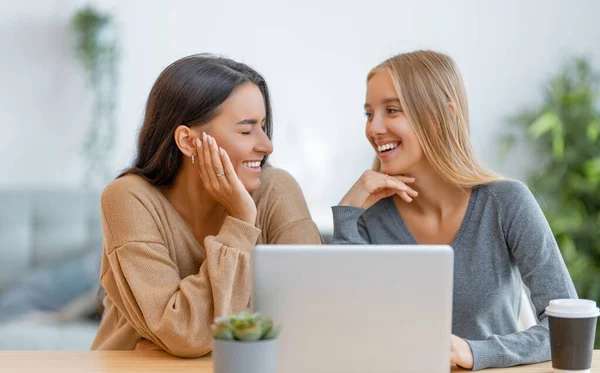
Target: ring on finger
(221, 174)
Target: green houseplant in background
(95, 44)
(565, 133)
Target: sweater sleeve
(542, 269)
(174, 313)
(348, 226)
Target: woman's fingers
(380, 186)
(379, 195)
(404, 179)
(200, 161)
(403, 190)
(217, 164)
(411, 192)
(221, 181)
(207, 142)
(398, 184)
(373, 186)
(405, 197)
(228, 169)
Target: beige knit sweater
(163, 287)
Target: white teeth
(387, 146)
(251, 164)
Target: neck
(436, 195)
(191, 200)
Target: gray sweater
(504, 237)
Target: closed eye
(263, 128)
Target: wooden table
(154, 361)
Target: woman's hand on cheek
(373, 186)
(222, 183)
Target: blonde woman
(428, 188)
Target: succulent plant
(245, 326)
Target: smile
(387, 147)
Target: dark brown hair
(188, 92)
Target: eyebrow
(390, 100)
(249, 121)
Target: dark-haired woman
(180, 225)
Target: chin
(393, 169)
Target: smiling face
(239, 129)
(388, 129)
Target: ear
(185, 140)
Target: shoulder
(508, 192)
(276, 183)
(514, 201)
(129, 211)
(279, 200)
(126, 190)
(272, 176)
(507, 189)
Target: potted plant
(564, 130)
(245, 343)
(96, 48)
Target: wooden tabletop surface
(155, 361)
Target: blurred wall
(315, 57)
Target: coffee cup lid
(572, 308)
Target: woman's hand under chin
(373, 186)
(222, 183)
(460, 353)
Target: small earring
(192, 159)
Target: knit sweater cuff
(485, 355)
(238, 234)
(345, 229)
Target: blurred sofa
(50, 250)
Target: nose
(375, 126)
(264, 144)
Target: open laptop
(357, 308)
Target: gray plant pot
(245, 357)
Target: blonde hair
(433, 98)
